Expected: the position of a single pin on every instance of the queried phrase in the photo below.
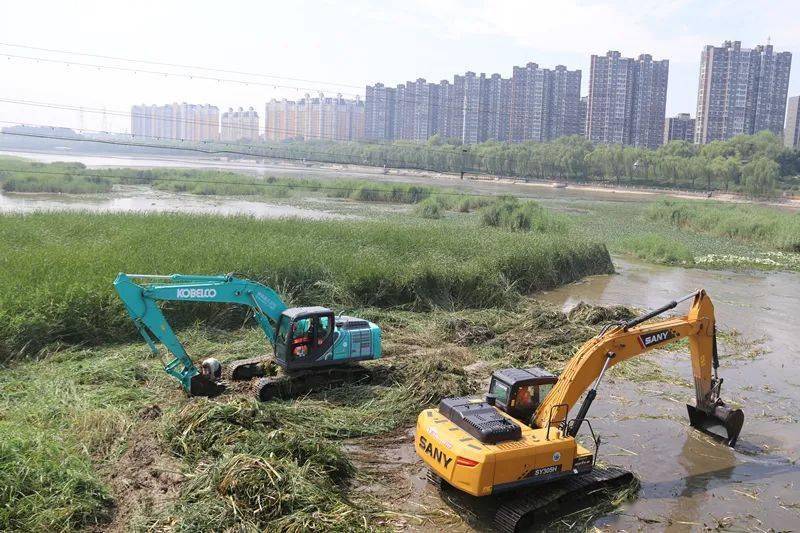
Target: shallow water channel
(142, 199)
(688, 481)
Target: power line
(161, 73)
(121, 113)
(176, 65)
(458, 107)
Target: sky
(339, 47)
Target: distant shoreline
(245, 165)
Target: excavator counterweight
(519, 439)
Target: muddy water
(147, 200)
(688, 481)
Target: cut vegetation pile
(57, 269)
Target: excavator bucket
(722, 423)
(203, 386)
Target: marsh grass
(20, 175)
(224, 183)
(516, 215)
(657, 248)
(779, 230)
(55, 279)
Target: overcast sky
(351, 43)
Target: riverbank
(475, 182)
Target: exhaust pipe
(722, 422)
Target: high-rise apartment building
(476, 103)
(649, 101)
(627, 100)
(379, 112)
(498, 108)
(582, 107)
(564, 103)
(741, 91)
(184, 122)
(791, 135)
(679, 128)
(239, 125)
(321, 117)
(533, 105)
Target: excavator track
(542, 503)
(289, 385)
(244, 369)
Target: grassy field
(779, 230)
(22, 175)
(96, 438)
(55, 284)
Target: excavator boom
(625, 340)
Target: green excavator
(311, 348)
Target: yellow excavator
(519, 440)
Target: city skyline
(740, 91)
(331, 46)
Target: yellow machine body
(481, 469)
(487, 446)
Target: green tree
(759, 176)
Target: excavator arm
(141, 302)
(622, 341)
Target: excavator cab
(304, 336)
(519, 391)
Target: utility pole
(463, 162)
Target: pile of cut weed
(276, 466)
(280, 466)
(60, 418)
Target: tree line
(756, 165)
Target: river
(689, 483)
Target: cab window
(283, 330)
(301, 329)
(500, 391)
(544, 390)
(324, 329)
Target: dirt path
(145, 478)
